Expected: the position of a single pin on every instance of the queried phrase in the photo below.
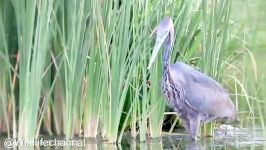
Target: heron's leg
(194, 123)
(186, 125)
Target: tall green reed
(118, 65)
(94, 79)
(5, 80)
(33, 30)
(72, 17)
(215, 32)
(91, 56)
(8, 72)
(148, 105)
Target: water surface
(226, 137)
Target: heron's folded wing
(201, 92)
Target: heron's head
(164, 34)
(165, 27)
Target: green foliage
(34, 32)
(82, 65)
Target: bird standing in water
(195, 96)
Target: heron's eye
(162, 34)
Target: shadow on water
(231, 139)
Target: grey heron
(195, 96)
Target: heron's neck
(166, 55)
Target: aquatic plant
(80, 67)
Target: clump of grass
(83, 64)
(33, 30)
(118, 66)
(71, 28)
(8, 73)
(5, 79)
(94, 83)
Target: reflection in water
(156, 145)
(106, 146)
(92, 146)
(181, 142)
(193, 146)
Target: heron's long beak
(159, 41)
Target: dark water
(229, 138)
